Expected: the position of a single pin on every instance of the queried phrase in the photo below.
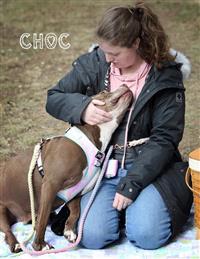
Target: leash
(126, 136)
(34, 159)
(82, 219)
(132, 143)
(35, 156)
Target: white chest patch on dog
(106, 131)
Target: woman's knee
(97, 238)
(102, 223)
(147, 237)
(148, 224)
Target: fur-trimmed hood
(186, 65)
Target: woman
(150, 191)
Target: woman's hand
(93, 115)
(121, 202)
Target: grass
(25, 75)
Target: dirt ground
(27, 74)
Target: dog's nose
(124, 86)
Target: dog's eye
(104, 92)
(114, 102)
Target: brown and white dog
(63, 163)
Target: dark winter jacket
(158, 114)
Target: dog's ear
(58, 221)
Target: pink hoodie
(134, 81)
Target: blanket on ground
(184, 246)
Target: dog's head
(116, 102)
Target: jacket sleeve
(166, 133)
(67, 100)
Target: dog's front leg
(71, 224)
(47, 198)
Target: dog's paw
(47, 247)
(70, 235)
(16, 248)
(42, 246)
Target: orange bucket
(194, 171)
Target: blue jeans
(147, 221)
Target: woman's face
(121, 57)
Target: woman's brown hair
(122, 25)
